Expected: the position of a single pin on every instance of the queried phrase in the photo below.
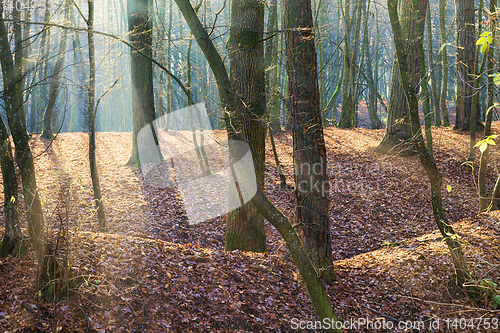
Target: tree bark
(375, 122)
(312, 185)
(397, 137)
(56, 79)
(432, 70)
(101, 217)
(245, 225)
(13, 240)
(465, 54)
(141, 69)
(444, 64)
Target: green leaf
(481, 41)
(489, 39)
(486, 33)
(448, 188)
(12, 199)
(483, 47)
(496, 80)
(494, 136)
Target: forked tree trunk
(245, 225)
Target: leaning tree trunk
(426, 159)
(245, 225)
(49, 269)
(312, 185)
(397, 138)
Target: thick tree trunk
(13, 241)
(465, 54)
(311, 179)
(141, 68)
(245, 225)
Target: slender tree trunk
(375, 122)
(484, 201)
(349, 99)
(444, 63)
(312, 185)
(271, 63)
(432, 69)
(101, 217)
(56, 79)
(461, 270)
(245, 225)
(13, 98)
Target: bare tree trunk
(444, 63)
(245, 225)
(432, 70)
(101, 217)
(312, 186)
(143, 104)
(13, 240)
(56, 79)
(465, 54)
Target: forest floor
(154, 272)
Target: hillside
(154, 272)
